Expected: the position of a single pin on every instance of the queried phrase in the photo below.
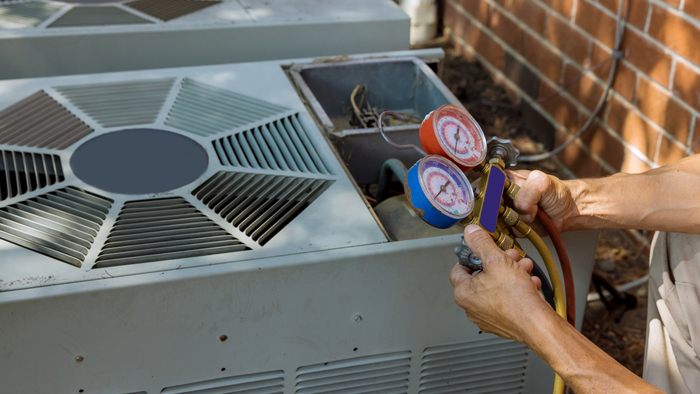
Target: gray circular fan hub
(139, 161)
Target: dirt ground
(618, 259)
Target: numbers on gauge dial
(458, 139)
(446, 191)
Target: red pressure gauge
(451, 132)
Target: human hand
(553, 195)
(502, 299)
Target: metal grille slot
(23, 172)
(259, 205)
(488, 366)
(163, 229)
(28, 14)
(205, 110)
(61, 224)
(97, 16)
(280, 145)
(385, 373)
(166, 10)
(259, 383)
(120, 103)
(39, 121)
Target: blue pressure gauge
(438, 191)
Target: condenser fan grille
(163, 229)
(259, 205)
(166, 10)
(29, 13)
(24, 172)
(61, 224)
(279, 145)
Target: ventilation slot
(386, 373)
(166, 10)
(24, 172)
(97, 16)
(28, 14)
(489, 366)
(280, 145)
(122, 103)
(61, 224)
(259, 205)
(205, 110)
(39, 121)
(259, 383)
(163, 229)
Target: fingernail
(472, 227)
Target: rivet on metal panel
(223, 338)
(357, 318)
(79, 359)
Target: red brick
(669, 151)
(578, 160)
(586, 90)
(479, 9)
(543, 58)
(633, 164)
(568, 39)
(531, 13)
(686, 85)
(692, 8)
(456, 21)
(563, 7)
(638, 11)
(647, 57)
(625, 77)
(506, 30)
(597, 23)
(561, 109)
(696, 138)
(673, 3)
(609, 148)
(663, 110)
(676, 33)
(632, 128)
(486, 46)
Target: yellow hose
(559, 299)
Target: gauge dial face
(446, 187)
(460, 136)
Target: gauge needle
(442, 189)
(454, 148)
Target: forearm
(665, 199)
(584, 367)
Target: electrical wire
(565, 265)
(620, 32)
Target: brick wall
(535, 46)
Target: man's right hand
(553, 195)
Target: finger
(481, 243)
(459, 275)
(530, 194)
(519, 176)
(537, 282)
(527, 264)
(513, 254)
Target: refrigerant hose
(390, 168)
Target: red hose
(565, 265)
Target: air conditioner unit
(49, 38)
(192, 230)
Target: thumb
(481, 243)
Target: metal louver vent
(280, 145)
(120, 103)
(163, 229)
(39, 121)
(28, 14)
(259, 205)
(166, 10)
(97, 16)
(385, 373)
(61, 224)
(488, 366)
(205, 110)
(259, 383)
(23, 172)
